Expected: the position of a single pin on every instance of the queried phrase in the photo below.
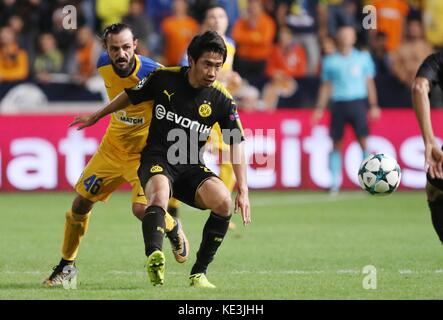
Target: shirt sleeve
(431, 68)
(230, 124)
(326, 70)
(144, 90)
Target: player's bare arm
(239, 165)
(121, 101)
(422, 108)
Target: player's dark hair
(115, 28)
(210, 41)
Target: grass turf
(301, 245)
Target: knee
(223, 207)
(159, 198)
(138, 210)
(81, 205)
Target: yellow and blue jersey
(128, 128)
(230, 46)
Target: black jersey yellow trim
(220, 87)
(173, 69)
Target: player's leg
(153, 226)
(173, 227)
(362, 141)
(434, 192)
(213, 195)
(227, 175)
(76, 225)
(139, 211)
(335, 166)
(156, 179)
(173, 206)
(139, 202)
(201, 188)
(338, 120)
(177, 236)
(359, 122)
(157, 191)
(99, 179)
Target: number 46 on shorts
(92, 184)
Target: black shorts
(353, 112)
(185, 179)
(438, 183)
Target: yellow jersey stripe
(220, 87)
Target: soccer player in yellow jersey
(118, 156)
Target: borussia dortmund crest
(205, 109)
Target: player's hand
(242, 203)
(374, 113)
(434, 161)
(316, 116)
(85, 121)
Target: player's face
(204, 72)
(121, 48)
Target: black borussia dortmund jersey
(432, 69)
(183, 116)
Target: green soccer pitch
(301, 245)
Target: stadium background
(40, 153)
(54, 73)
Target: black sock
(173, 211)
(437, 217)
(213, 233)
(153, 226)
(64, 262)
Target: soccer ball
(379, 174)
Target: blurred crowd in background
(279, 43)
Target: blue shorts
(353, 112)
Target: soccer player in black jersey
(188, 101)
(430, 74)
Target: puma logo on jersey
(168, 95)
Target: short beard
(126, 72)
